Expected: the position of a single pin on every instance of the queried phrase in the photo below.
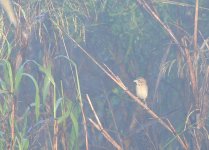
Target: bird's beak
(135, 81)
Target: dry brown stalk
(160, 74)
(9, 10)
(85, 128)
(13, 125)
(196, 28)
(99, 127)
(157, 18)
(55, 140)
(191, 69)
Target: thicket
(67, 71)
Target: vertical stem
(13, 125)
(196, 27)
(55, 142)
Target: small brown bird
(141, 88)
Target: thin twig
(92, 108)
(99, 127)
(190, 66)
(196, 28)
(85, 128)
(157, 18)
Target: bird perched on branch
(141, 88)
(6, 5)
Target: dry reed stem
(99, 127)
(164, 58)
(13, 125)
(195, 29)
(85, 128)
(6, 4)
(114, 122)
(157, 18)
(55, 140)
(191, 70)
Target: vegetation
(67, 71)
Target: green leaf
(37, 97)
(9, 75)
(18, 77)
(58, 103)
(45, 89)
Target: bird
(9, 10)
(141, 88)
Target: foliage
(46, 73)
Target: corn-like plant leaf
(45, 89)
(66, 114)
(18, 77)
(9, 75)
(74, 130)
(37, 97)
(58, 103)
